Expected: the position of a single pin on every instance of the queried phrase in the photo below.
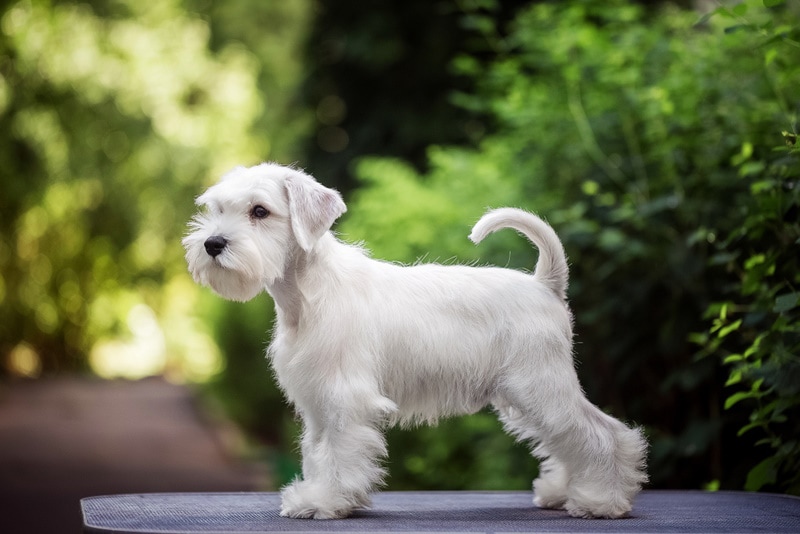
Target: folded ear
(312, 208)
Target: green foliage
(755, 326)
(471, 454)
(379, 83)
(433, 218)
(112, 115)
(645, 139)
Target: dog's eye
(259, 212)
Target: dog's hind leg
(608, 461)
(604, 460)
(550, 487)
(593, 465)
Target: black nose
(215, 245)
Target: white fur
(361, 343)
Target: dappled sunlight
(112, 129)
(194, 354)
(175, 343)
(142, 354)
(202, 102)
(24, 361)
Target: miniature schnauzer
(360, 344)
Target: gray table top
(654, 511)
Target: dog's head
(252, 221)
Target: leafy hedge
(755, 326)
(648, 139)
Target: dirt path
(63, 439)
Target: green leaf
(736, 397)
(705, 18)
(740, 9)
(757, 259)
(724, 12)
(762, 185)
(784, 303)
(745, 154)
(754, 393)
(734, 378)
(763, 473)
(772, 442)
(480, 23)
(698, 338)
(773, 3)
(730, 328)
(737, 27)
(748, 427)
(755, 346)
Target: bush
(755, 328)
(106, 130)
(640, 137)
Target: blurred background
(658, 138)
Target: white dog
(361, 343)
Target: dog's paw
(578, 511)
(311, 512)
(550, 489)
(296, 513)
(597, 510)
(306, 500)
(552, 502)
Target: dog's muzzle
(215, 245)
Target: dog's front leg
(341, 466)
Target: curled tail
(551, 269)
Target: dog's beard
(239, 272)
